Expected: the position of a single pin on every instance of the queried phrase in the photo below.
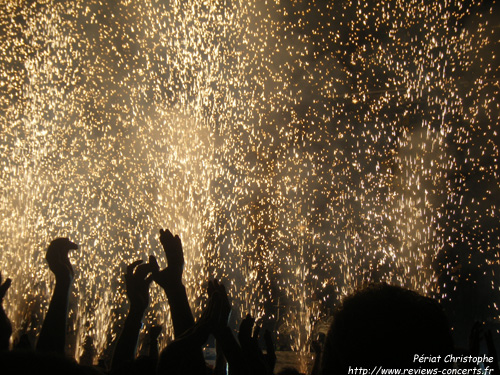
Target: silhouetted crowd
(378, 328)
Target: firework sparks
(291, 145)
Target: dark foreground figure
(385, 325)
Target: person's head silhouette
(385, 325)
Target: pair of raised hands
(218, 309)
(139, 275)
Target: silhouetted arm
(137, 284)
(220, 360)
(249, 345)
(232, 351)
(225, 312)
(177, 358)
(5, 326)
(182, 317)
(53, 333)
(170, 279)
(154, 332)
(225, 340)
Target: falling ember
(292, 145)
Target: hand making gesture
(172, 274)
(58, 259)
(53, 333)
(137, 282)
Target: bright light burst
(291, 144)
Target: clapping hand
(137, 282)
(217, 291)
(172, 274)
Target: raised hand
(170, 279)
(53, 333)
(172, 274)
(228, 349)
(173, 250)
(210, 315)
(137, 282)
(250, 346)
(218, 292)
(57, 257)
(245, 333)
